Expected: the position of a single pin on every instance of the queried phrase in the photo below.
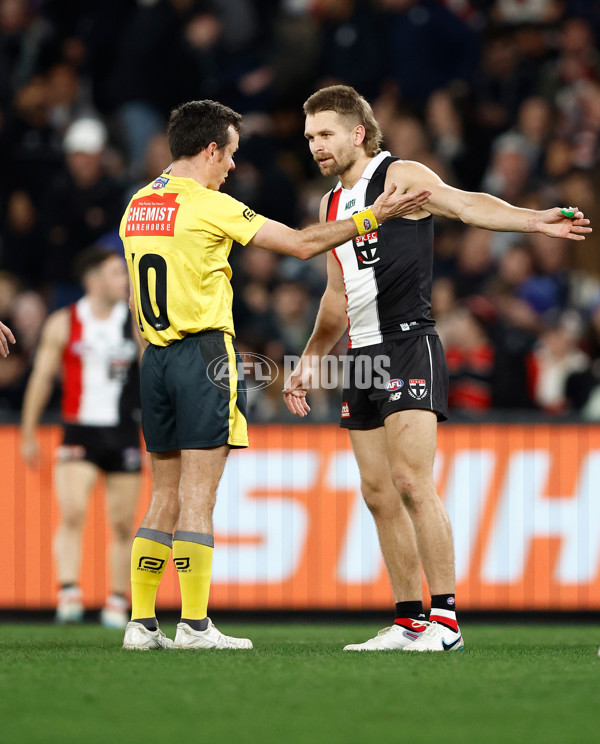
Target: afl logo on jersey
(160, 183)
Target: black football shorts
(113, 449)
(394, 376)
(193, 394)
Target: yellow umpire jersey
(177, 237)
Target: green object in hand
(568, 213)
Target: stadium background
(494, 95)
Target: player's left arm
(487, 211)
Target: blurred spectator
(555, 359)
(82, 204)
(470, 358)
(428, 47)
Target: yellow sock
(149, 557)
(192, 555)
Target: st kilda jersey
(388, 272)
(99, 368)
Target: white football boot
(394, 638)
(438, 638)
(115, 613)
(139, 638)
(70, 606)
(187, 637)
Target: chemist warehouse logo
(154, 214)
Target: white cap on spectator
(85, 135)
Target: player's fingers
(573, 236)
(391, 189)
(581, 222)
(298, 408)
(3, 347)
(289, 402)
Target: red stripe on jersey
(331, 217)
(72, 371)
(333, 207)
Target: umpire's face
(335, 141)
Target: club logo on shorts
(395, 396)
(394, 384)
(153, 565)
(417, 388)
(345, 410)
(182, 564)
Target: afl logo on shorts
(394, 385)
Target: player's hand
(564, 222)
(295, 389)
(6, 335)
(30, 452)
(391, 204)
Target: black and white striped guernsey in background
(387, 273)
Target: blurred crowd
(494, 95)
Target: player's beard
(338, 165)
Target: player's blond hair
(345, 101)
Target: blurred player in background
(6, 335)
(178, 232)
(91, 344)
(379, 287)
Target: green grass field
(513, 683)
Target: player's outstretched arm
(274, 236)
(6, 335)
(55, 335)
(487, 211)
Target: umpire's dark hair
(90, 259)
(194, 125)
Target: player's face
(114, 279)
(332, 142)
(223, 161)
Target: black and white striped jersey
(388, 272)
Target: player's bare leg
(394, 526)
(411, 438)
(193, 543)
(396, 539)
(122, 492)
(74, 482)
(163, 511)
